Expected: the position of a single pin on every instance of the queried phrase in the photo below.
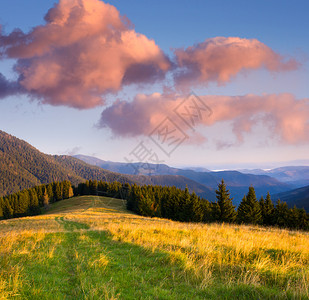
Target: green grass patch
(100, 251)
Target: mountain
(298, 197)
(23, 166)
(296, 176)
(237, 182)
(180, 182)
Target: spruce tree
(268, 211)
(249, 211)
(281, 214)
(196, 208)
(293, 218)
(206, 210)
(303, 220)
(49, 189)
(8, 211)
(227, 211)
(34, 202)
(93, 187)
(57, 191)
(1, 208)
(45, 199)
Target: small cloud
(72, 152)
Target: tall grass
(92, 248)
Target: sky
(214, 84)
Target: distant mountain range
(296, 176)
(237, 182)
(23, 166)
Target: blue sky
(280, 25)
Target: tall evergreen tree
(227, 211)
(34, 202)
(249, 211)
(93, 187)
(1, 207)
(268, 211)
(57, 191)
(8, 211)
(303, 220)
(67, 190)
(281, 214)
(45, 199)
(196, 208)
(49, 189)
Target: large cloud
(219, 59)
(85, 50)
(281, 114)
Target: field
(92, 248)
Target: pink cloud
(219, 59)
(85, 50)
(283, 115)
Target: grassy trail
(91, 248)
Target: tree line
(181, 205)
(163, 202)
(29, 202)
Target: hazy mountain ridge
(22, 166)
(296, 176)
(236, 181)
(298, 197)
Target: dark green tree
(1, 208)
(268, 211)
(34, 202)
(303, 220)
(281, 214)
(93, 187)
(49, 189)
(45, 199)
(57, 191)
(7, 209)
(249, 211)
(227, 211)
(67, 190)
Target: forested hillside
(298, 197)
(22, 166)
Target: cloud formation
(219, 59)
(8, 88)
(283, 115)
(85, 50)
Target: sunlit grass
(92, 248)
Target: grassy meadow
(93, 248)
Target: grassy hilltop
(92, 248)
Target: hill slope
(298, 197)
(23, 166)
(92, 248)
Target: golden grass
(234, 254)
